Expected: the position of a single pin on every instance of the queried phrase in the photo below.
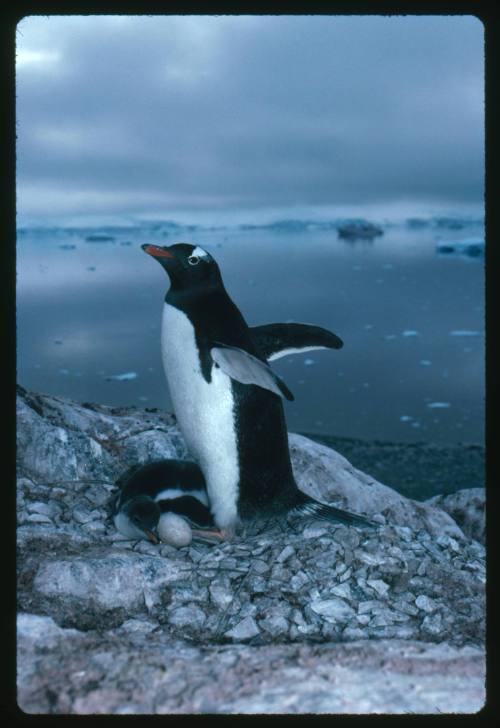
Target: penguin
(160, 501)
(227, 400)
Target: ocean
(408, 304)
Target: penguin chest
(205, 413)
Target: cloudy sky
(201, 115)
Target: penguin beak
(152, 536)
(157, 252)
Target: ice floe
(471, 247)
(124, 377)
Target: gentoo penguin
(226, 397)
(160, 500)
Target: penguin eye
(193, 260)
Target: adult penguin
(226, 397)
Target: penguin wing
(277, 340)
(247, 369)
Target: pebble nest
(305, 581)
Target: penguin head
(143, 514)
(186, 265)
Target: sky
(212, 117)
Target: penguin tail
(310, 508)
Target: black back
(152, 478)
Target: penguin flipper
(277, 340)
(247, 369)
(314, 509)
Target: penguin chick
(161, 501)
(138, 518)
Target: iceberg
(126, 376)
(471, 247)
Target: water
(412, 366)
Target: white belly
(204, 412)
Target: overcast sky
(159, 115)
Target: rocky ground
(304, 617)
(418, 470)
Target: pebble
(81, 514)
(38, 518)
(191, 616)
(425, 603)
(379, 586)
(220, 596)
(244, 630)
(39, 507)
(343, 590)
(285, 554)
(333, 610)
(432, 624)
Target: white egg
(174, 530)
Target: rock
(244, 630)
(379, 586)
(67, 672)
(416, 578)
(334, 610)
(192, 617)
(427, 605)
(328, 476)
(467, 508)
(99, 589)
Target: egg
(174, 530)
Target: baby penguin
(161, 501)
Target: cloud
(143, 112)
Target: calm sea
(412, 321)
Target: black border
(10, 16)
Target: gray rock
(333, 610)
(258, 589)
(379, 586)
(190, 616)
(244, 630)
(467, 508)
(425, 603)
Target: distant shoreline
(417, 470)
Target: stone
(189, 616)
(425, 603)
(154, 608)
(379, 586)
(244, 630)
(220, 596)
(467, 508)
(333, 610)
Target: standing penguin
(227, 399)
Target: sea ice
(438, 405)
(425, 362)
(123, 377)
(405, 418)
(410, 332)
(464, 332)
(308, 362)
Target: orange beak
(157, 252)
(152, 536)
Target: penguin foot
(211, 535)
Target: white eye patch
(199, 253)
